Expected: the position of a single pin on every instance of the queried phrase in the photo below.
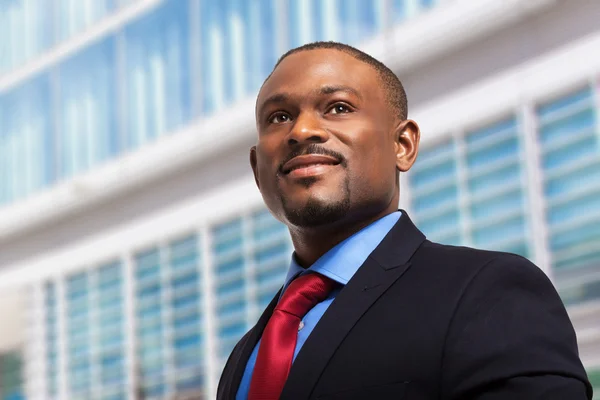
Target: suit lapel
(246, 347)
(382, 268)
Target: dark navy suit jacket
(420, 320)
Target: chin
(315, 211)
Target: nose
(307, 129)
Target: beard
(317, 212)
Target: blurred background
(135, 249)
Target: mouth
(309, 165)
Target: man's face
(326, 149)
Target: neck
(310, 243)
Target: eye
(279, 118)
(340, 108)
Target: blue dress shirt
(340, 264)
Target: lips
(307, 162)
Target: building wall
(144, 271)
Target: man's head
(332, 136)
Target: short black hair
(395, 93)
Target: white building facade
(129, 218)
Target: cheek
(375, 166)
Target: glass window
(76, 15)
(496, 194)
(490, 188)
(25, 31)
(349, 21)
(51, 338)
(26, 141)
(358, 19)
(262, 51)
(78, 333)
(158, 72)
(570, 151)
(87, 109)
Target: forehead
(308, 70)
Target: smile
(309, 165)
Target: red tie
(278, 343)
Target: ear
(407, 136)
(253, 163)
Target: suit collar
(342, 261)
(383, 267)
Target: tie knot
(304, 293)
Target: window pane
(87, 109)
(158, 72)
(25, 31)
(25, 140)
(571, 163)
(75, 16)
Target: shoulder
(470, 262)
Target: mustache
(315, 150)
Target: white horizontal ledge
(79, 41)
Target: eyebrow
(323, 90)
(274, 99)
(339, 88)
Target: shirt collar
(342, 261)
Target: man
(370, 308)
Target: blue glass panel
(503, 150)
(158, 72)
(231, 331)
(74, 17)
(494, 179)
(581, 121)
(358, 20)
(271, 279)
(155, 390)
(217, 71)
(441, 173)
(436, 199)
(185, 280)
(573, 181)
(498, 204)
(230, 244)
(439, 151)
(579, 260)
(183, 302)
(499, 128)
(228, 229)
(87, 109)
(580, 148)
(564, 102)
(25, 31)
(269, 231)
(231, 308)
(187, 342)
(230, 287)
(271, 252)
(189, 383)
(588, 232)
(236, 264)
(511, 228)
(575, 208)
(26, 142)
(448, 220)
(264, 49)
